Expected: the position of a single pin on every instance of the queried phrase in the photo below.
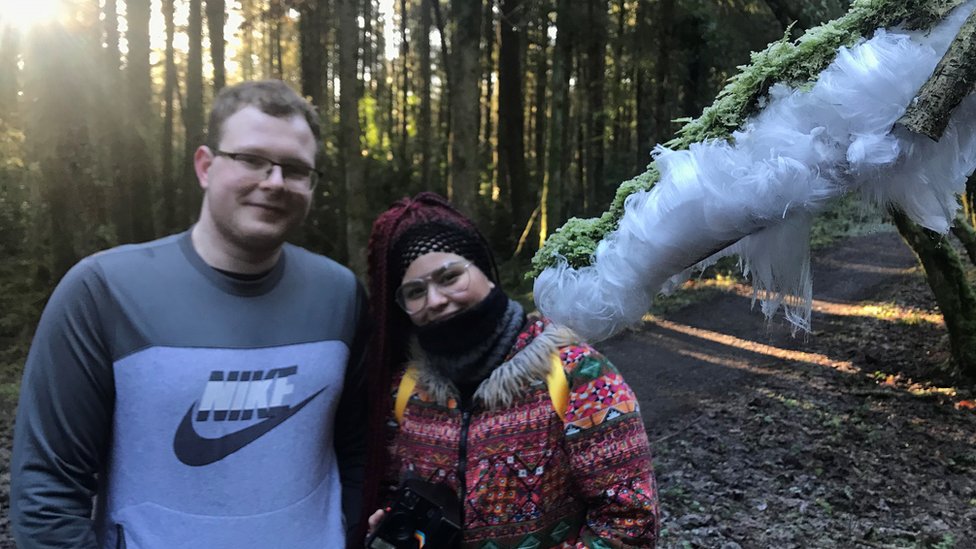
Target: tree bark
(644, 89)
(247, 39)
(141, 171)
(353, 234)
(552, 214)
(952, 81)
(465, 173)
(170, 207)
(617, 138)
(947, 278)
(541, 75)
(311, 50)
(193, 110)
(404, 161)
(486, 120)
(662, 76)
(966, 235)
(596, 121)
(215, 27)
(425, 120)
(512, 176)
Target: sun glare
(23, 15)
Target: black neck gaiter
(467, 347)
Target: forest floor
(854, 435)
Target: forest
(525, 113)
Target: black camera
(423, 515)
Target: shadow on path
(714, 346)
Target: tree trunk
(644, 89)
(966, 235)
(404, 161)
(311, 34)
(369, 43)
(247, 39)
(485, 121)
(617, 138)
(444, 105)
(425, 121)
(465, 102)
(8, 74)
(662, 78)
(952, 81)
(596, 121)
(170, 207)
(193, 110)
(947, 278)
(111, 128)
(557, 156)
(353, 232)
(58, 139)
(215, 27)
(512, 177)
(139, 161)
(539, 97)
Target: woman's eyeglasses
(452, 278)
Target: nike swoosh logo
(196, 451)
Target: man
(206, 387)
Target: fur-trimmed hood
(509, 380)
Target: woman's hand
(374, 520)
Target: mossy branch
(796, 63)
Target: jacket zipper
(463, 459)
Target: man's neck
(219, 254)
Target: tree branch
(952, 81)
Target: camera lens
(401, 527)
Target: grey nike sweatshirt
(202, 410)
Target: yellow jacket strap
(558, 386)
(407, 384)
(556, 380)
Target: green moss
(796, 63)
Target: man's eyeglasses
(296, 176)
(452, 278)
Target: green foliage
(796, 63)
(948, 541)
(847, 216)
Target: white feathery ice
(762, 189)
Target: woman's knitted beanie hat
(426, 223)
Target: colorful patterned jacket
(530, 478)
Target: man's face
(253, 213)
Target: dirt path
(842, 438)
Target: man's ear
(202, 159)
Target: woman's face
(449, 288)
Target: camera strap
(555, 380)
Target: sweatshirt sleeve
(609, 454)
(350, 432)
(63, 418)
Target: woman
(533, 432)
